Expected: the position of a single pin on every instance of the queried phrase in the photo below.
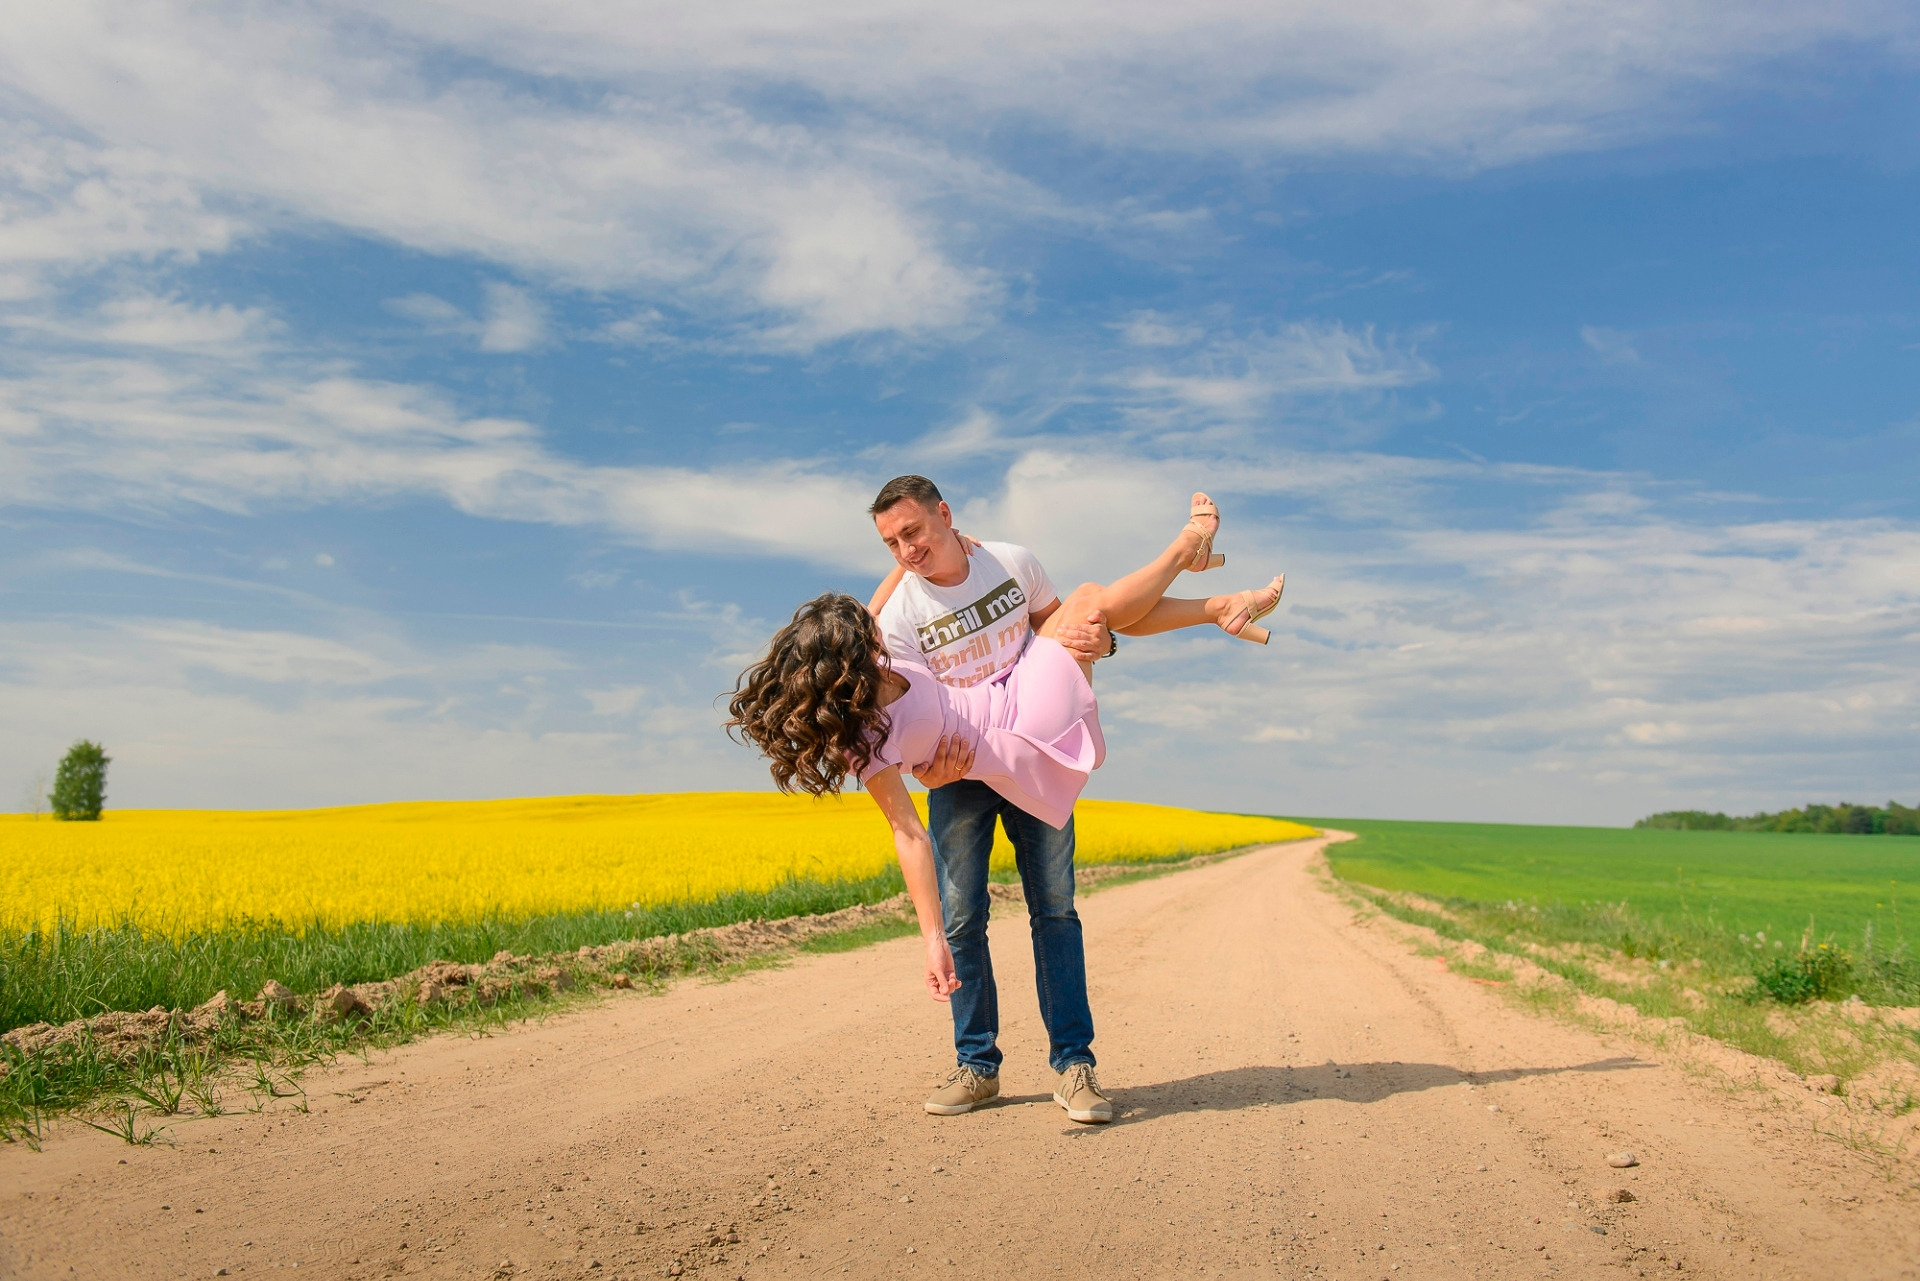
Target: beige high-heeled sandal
(1205, 558)
(1252, 610)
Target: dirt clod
(340, 1002)
(1623, 1160)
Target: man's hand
(1088, 641)
(952, 758)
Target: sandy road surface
(1302, 1096)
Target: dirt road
(1302, 1095)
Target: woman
(827, 704)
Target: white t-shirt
(965, 634)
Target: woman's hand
(942, 982)
(915, 849)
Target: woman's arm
(884, 591)
(915, 848)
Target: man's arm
(1087, 641)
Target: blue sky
(422, 400)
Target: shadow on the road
(1248, 1087)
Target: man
(966, 611)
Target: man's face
(921, 540)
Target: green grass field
(1704, 927)
(1731, 882)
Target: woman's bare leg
(1170, 613)
(1078, 606)
(1125, 601)
(1137, 605)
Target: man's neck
(953, 577)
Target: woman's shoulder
(913, 672)
(918, 682)
(926, 698)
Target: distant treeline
(1894, 819)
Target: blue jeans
(962, 817)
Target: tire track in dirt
(1301, 1094)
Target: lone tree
(80, 784)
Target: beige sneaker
(1079, 1093)
(965, 1089)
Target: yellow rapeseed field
(184, 872)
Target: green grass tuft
(63, 974)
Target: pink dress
(1035, 728)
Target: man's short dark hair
(918, 488)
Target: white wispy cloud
(1479, 83)
(1234, 378)
(642, 148)
(1152, 329)
(68, 200)
(1611, 345)
(147, 321)
(514, 319)
(511, 319)
(119, 433)
(296, 116)
(199, 715)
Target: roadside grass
(56, 975)
(1689, 948)
(862, 936)
(1690, 892)
(250, 1065)
(60, 974)
(238, 1067)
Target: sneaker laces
(1080, 1075)
(964, 1075)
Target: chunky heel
(1251, 608)
(1204, 557)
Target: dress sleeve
(886, 753)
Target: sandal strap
(1205, 551)
(1250, 606)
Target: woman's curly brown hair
(812, 705)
